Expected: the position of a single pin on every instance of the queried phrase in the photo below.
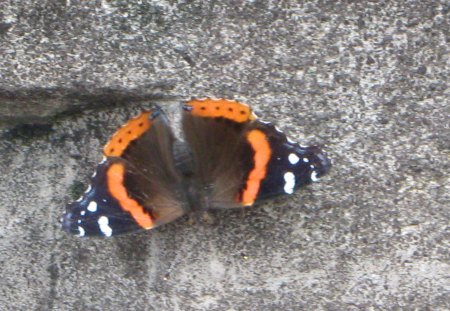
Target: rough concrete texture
(369, 80)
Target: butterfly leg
(208, 218)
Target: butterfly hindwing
(135, 186)
(214, 130)
(241, 160)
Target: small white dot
(92, 207)
(79, 221)
(104, 227)
(293, 158)
(289, 179)
(314, 176)
(82, 213)
(311, 166)
(81, 231)
(103, 220)
(306, 160)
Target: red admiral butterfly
(230, 159)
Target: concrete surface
(369, 80)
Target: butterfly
(228, 159)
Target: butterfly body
(228, 159)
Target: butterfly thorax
(196, 196)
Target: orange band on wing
(221, 108)
(115, 177)
(126, 134)
(260, 145)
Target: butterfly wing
(240, 160)
(213, 130)
(134, 187)
(287, 166)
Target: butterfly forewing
(289, 165)
(136, 185)
(241, 160)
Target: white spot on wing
(103, 160)
(81, 231)
(104, 227)
(89, 188)
(92, 207)
(314, 176)
(79, 199)
(293, 158)
(82, 213)
(289, 179)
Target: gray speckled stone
(369, 80)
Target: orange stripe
(260, 145)
(221, 108)
(115, 176)
(132, 130)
